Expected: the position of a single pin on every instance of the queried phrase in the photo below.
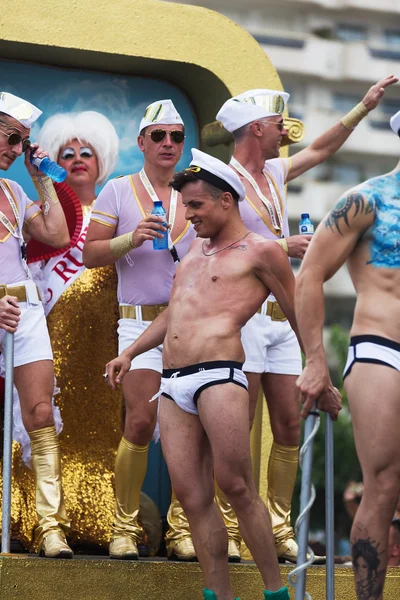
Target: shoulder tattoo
(356, 203)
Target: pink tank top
(11, 265)
(278, 169)
(145, 276)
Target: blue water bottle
(160, 243)
(50, 168)
(305, 226)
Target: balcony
(329, 60)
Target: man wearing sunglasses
(272, 353)
(21, 313)
(121, 232)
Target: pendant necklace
(226, 247)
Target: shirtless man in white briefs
(363, 229)
(272, 352)
(21, 313)
(204, 400)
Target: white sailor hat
(19, 109)
(395, 123)
(161, 112)
(250, 106)
(214, 171)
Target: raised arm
(332, 244)
(332, 139)
(49, 225)
(152, 337)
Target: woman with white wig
(86, 145)
(82, 314)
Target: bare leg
(223, 411)
(254, 381)
(141, 415)
(283, 407)
(35, 385)
(373, 392)
(188, 455)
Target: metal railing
(7, 442)
(297, 577)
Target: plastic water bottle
(160, 243)
(50, 168)
(306, 226)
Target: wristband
(352, 119)
(122, 244)
(283, 244)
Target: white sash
(62, 270)
(240, 168)
(172, 209)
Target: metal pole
(329, 509)
(7, 446)
(305, 497)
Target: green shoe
(282, 594)
(209, 595)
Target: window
(392, 37)
(347, 174)
(350, 33)
(344, 102)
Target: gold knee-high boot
(231, 524)
(130, 471)
(282, 469)
(178, 538)
(53, 519)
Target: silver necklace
(225, 248)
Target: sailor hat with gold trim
(161, 112)
(250, 106)
(395, 123)
(19, 109)
(217, 173)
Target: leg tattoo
(369, 574)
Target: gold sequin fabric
(83, 331)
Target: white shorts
(31, 340)
(128, 332)
(185, 385)
(270, 347)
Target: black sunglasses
(15, 138)
(157, 135)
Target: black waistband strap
(374, 339)
(205, 366)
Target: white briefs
(185, 385)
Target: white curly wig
(88, 126)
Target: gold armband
(47, 193)
(283, 244)
(122, 244)
(352, 119)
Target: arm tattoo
(366, 561)
(343, 208)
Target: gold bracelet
(122, 244)
(283, 244)
(352, 119)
